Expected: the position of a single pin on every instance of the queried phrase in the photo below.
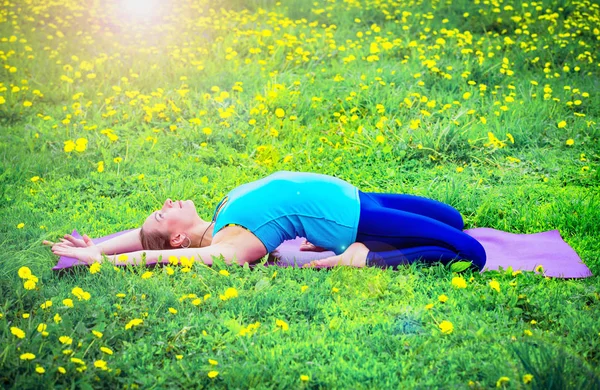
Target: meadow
(109, 107)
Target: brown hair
(154, 240)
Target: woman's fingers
(67, 243)
(307, 247)
(88, 241)
(67, 240)
(61, 251)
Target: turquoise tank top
(286, 205)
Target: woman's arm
(92, 253)
(126, 242)
(229, 252)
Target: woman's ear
(178, 240)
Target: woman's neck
(204, 234)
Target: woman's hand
(90, 253)
(68, 240)
(309, 247)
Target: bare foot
(354, 256)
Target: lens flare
(139, 9)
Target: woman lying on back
(362, 229)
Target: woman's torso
(281, 206)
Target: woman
(362, 229)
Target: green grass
(433, 114)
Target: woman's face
(174, 217)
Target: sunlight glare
(139, 8)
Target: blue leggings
(400, 229)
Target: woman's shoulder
(241, 238)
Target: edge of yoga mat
(519, 251)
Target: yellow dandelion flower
(502, 380)
(527, 378)
(443, 298)
(539, 268)
(172, 310)
(212, 362)
(57, 318)
(106, 350)
(95, 268)
(27, 356)
(429, 306)
(134, 322)
(303, 288)
(80, 294)
(282, 324)
(562, 124)
(101, 364)
(213, 374)
(66, 340)
(279, 113)
(570, 142)
(46, 305)
(179, 357)
(29, 285)
(459, 282)
(18, 333)
(62, 370)
(42, 327)
(24, 272)
(81, 144)
(69, 146)
(304, 378)
(77, 361)
(196, 301)
(446, 327)
(334, 290)
(173, 260)
(97, 334)
(40, 370)
(229, 293)
(494, 285)
(147, 275)
(224, 272)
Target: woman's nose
(168, 203)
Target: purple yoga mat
(520, 251)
